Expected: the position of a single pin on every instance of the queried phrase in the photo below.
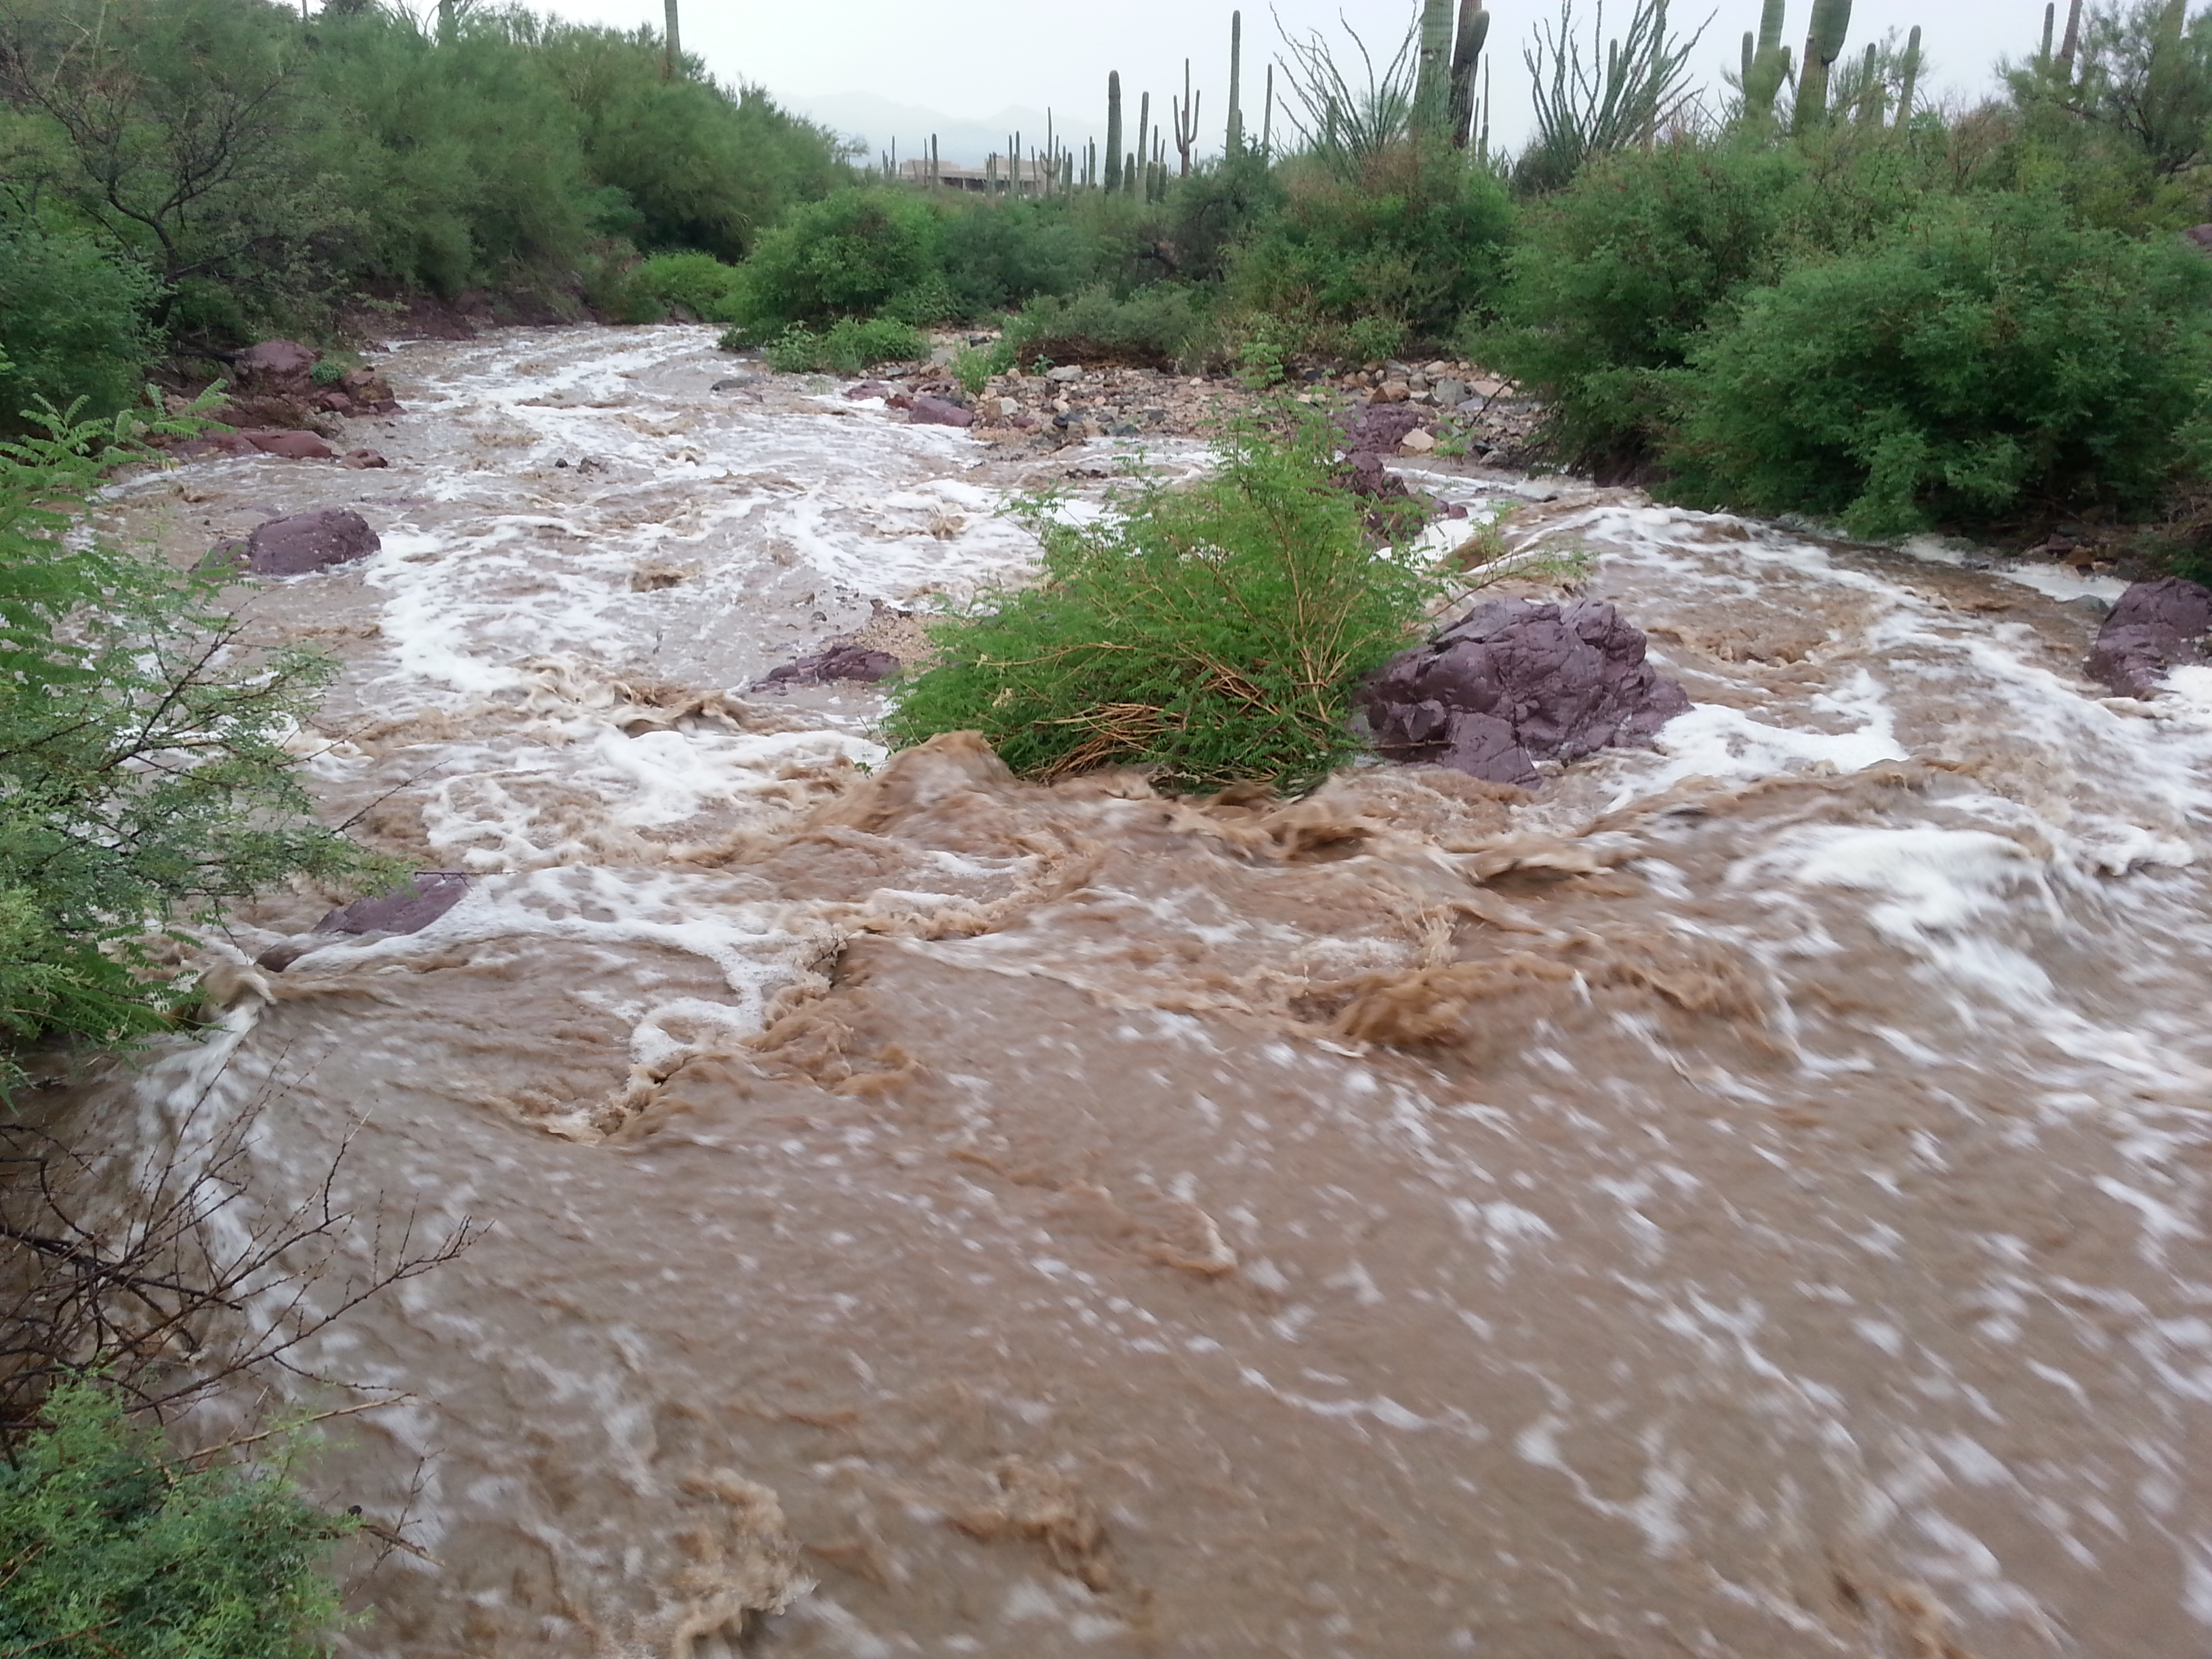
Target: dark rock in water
(308, 542)
(2155, 626)
(1513, 683)
(927, 410)
(362, 459)
(867, 389)
(406, 909)
(839, 660)
(1381, 428)
(292, 446)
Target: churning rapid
(1743, 1199)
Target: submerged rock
(2154, 626)
(407, 910)
(1513, 683)
(292, 446)
(927, 410)
(839, 660)
(304, 543)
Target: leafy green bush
(854, 255)
(699, 283)
(1213, 632)
(105, 1549)
(973, 365)
(73, 322)
(999, 255)
(1416, 241)
(1623, 271)
(1160, 326)
(142, 752)
(845, 348)
(1986, 353)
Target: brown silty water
(1743, 1199)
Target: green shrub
(851, 255)
(106, 1550)
(699, 283)
(1160, 326)
(1212, 632)
(1000, 255)
(1414, 243)
(1623, 271)
(142, 752)
(1984, 355)
(73, 322)
(845, 348)
(973, 365)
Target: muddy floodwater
(1744, 1198)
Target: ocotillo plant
(1824, 43)
(1185, 120)
(1473, 30)
(1112, 131)
(1912, 74)
(1235, 67)
(1144, 140)
(1765, 65)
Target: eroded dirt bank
(1744, 1199)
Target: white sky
(974, 61)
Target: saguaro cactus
(1185, 120)
(1432, 69)
(2050, 27)
(1113, 130)
(1912, 69)
(1767, 64)
(1824, 43)
(1473, 30)
(1874, 95)
(1236, 69)
(674, 65)
(2071, 43)
(1144, 127)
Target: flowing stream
(1746, 1199)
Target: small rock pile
(1073, 401)
(277, 407)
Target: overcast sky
(975, 62)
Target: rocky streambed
(1744, 1195)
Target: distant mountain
(876, 121)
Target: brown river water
(1746, 1199)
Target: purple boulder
(1513, 683)
(839, 661)
(406, 909)
(2154, 626)
(274, 359)
(308, 542)
(927, 410)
